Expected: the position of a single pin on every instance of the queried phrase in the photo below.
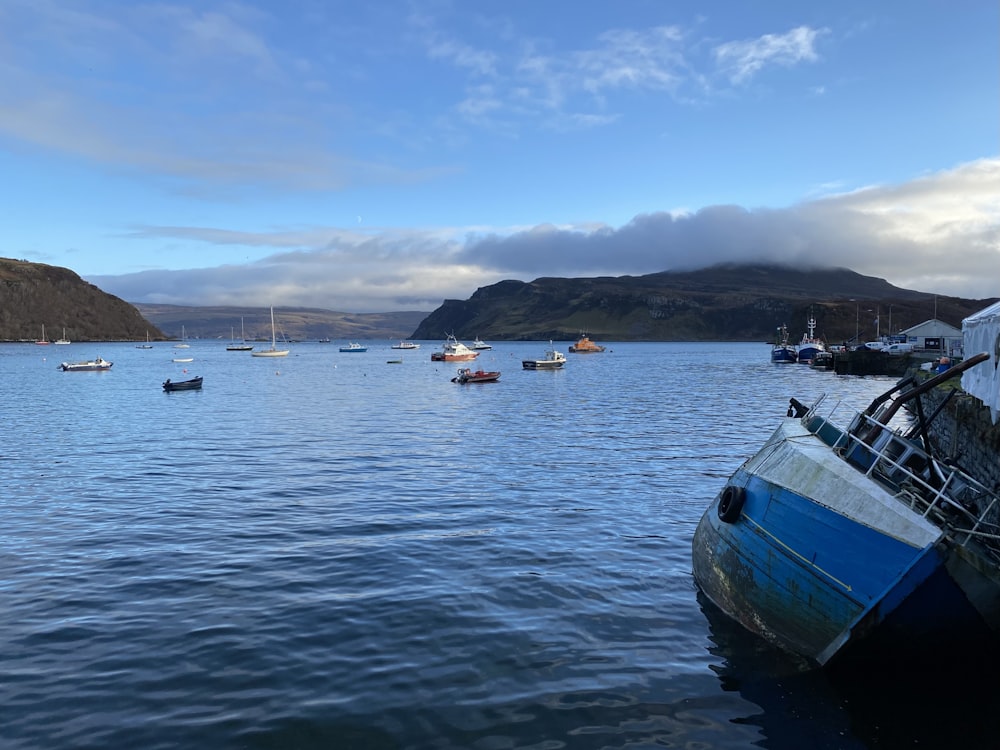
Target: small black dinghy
(194, 384)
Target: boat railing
(935, 488)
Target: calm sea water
(335, 551)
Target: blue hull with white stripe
(826, 538)
(784, 354)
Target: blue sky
(388, 156)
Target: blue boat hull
(807, 353)
(768, 572)
(783, 354)
(818, 559)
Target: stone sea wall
(963, 429)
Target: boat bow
(827, 536)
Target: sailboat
(147, 345)
(273, 351)
(183, 344)
(234, 347)
(43, 341)
(63, 340)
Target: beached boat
(453, 350)
(86, 365)
(552, 360)
(353, 348)
(194, 384)
(830, 536)
(585, 346)
(468, 375)
(274, 351)
(406, 345)
(481, 346)
(782, 352)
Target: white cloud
(939, 233)
(743, 59)
(221, 101)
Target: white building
(981, 333)
(935, 336)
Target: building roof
(934, 328)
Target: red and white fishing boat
(453, 350)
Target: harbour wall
(963, 429)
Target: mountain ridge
(725, 302)
(302, 323)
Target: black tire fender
(731, 503)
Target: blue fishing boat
(782, 352)
(829, 535)
(810, 346)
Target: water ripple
(337, 553)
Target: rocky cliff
(33, 295)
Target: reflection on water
(332, 551)
(937, 696)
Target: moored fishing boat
(823, 360)
(809, 346)
(829, 536)
(553, 360)
(782, 352)
(453, 350)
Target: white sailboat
(183, 344)
(63, 340)
(243, 347)
(147, 345)
(273, 351)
